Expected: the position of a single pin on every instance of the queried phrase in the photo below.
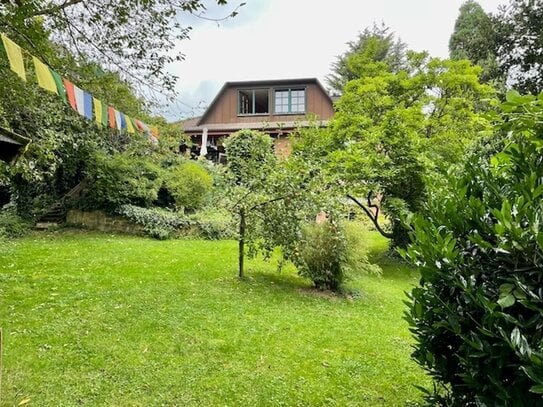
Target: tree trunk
(241, 240)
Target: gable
(226, 109)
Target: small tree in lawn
(250, 162)
(272, 199)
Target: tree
(375, 48)
(271, 199)
(392, 130)
(250, 161)
(133, 38)
(520, 52)
(474, 38)
(476, 314)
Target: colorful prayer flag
(15, 57)
(79, 100)
(87, 107)
(111, 116)
(123, 120)
(129, 125)
(100, 114)
(61, 90)
(45, 78)
(70, 91)
(118, 120)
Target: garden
(394, 257)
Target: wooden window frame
(290, 89)
(253, 107)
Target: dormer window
(290, 101)
(253, 101)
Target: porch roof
(190, 127)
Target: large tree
(474, 38)
(374, 48)
(391, 130)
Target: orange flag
(71, 93)
(111, 115)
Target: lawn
(100, 320)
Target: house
(275, 107)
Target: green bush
(477, 315)
(214, 224)
(158, 223)
(189, 184)
(11, 224)
(321, 255)
(121, 179)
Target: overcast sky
(280, 39)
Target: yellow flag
(97, 111)
(45, 77)
(15, 57)
(129, 125)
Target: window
(253, 101)
(290, 101)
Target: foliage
(477, 313)
(519, 32)
(391, 130)
(250, 156)
(11, 224)
(474, 38)
(214, 224)
(506, 45)
(250, 161)
(375, 48)
(158, 223)
(64, 144)
(322, 255)
(133, 38)
(123, 179)
(189, 184)
(271, 198)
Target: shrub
(477, 315)
(321, 255)
(214, 224)
(123, 179)
(158, 223)
(189, 184)
(11, 224)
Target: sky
(283, 39)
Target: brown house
(275, 107)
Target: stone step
(45, 225)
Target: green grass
(99, 320)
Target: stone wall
(98, 220)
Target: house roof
(7, 136)
(259, 83)
(11, 144)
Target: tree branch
(270, 201)
(373, 217)
(54, 9)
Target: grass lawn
(99, 320)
